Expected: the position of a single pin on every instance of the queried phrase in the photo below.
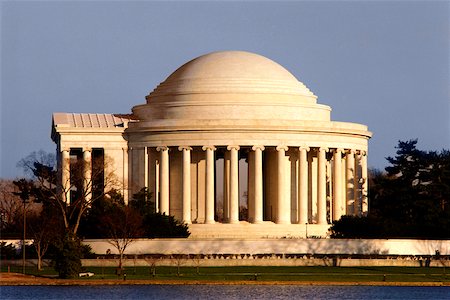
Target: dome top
(231, 72)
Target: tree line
(410, 199)
(95, 209)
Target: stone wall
(269, 261)
(221, 261)
(393, 247)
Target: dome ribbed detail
(231, 72)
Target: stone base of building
(264, 248)
(265, 230)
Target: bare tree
(151, 261)
(179, 260)
(10, 204)
(197, 259)
(42, 229)
(71, 195)
(122, 225)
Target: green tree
(155, 224)
(67, 260)
(142, 201)
(354, 227)
(91, 225)
(409, 200)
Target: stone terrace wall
(278, 246)
(269, 261)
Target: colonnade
(286, 185)
(65, 174)
(110, 164)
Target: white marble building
(220, 117)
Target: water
(222, 292)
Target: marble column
(303, 185)
(283, 205)
(157, 185)
(209, 197)
(87, 182)
(164, 180)
(125, 188)
(344, 184)
(329, 190)
(365, 185)
(234, 184)
(130, 170)
(153, 175)
(357, 184)
(251, 185)
(337, 184)
(350, 178)
(65, 175)
(186, 183)
(258, 184)
(146, 153)
(322, 187)
(313, 171)
(226, 187)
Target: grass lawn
(324, 274)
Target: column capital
(256, 147)
(87, 154)
(231, 147)
(182, 148)
(323, 149)
(338, 150)
(304, 148)
(65, 149)
(87, 149)
(350, 151)
(209, 147)
(162, 148)
(282, 147)
(362, 152)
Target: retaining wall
(277, 246)
(233, 262)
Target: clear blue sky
(381, 63)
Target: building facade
(221, 119)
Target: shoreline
(17, 279)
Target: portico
(300, 176)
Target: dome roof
(230, 85)
(231, 72)
(237, 98)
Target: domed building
(232, 144)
